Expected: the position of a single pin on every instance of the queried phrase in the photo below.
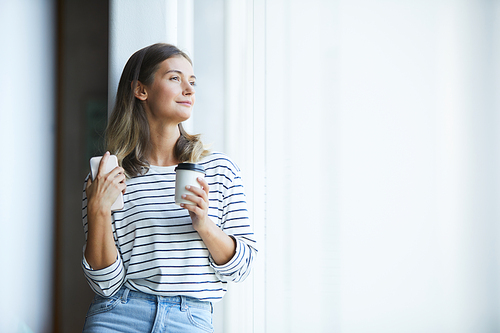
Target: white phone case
(110, 165)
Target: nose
(188, 89)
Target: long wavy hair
(127, 133)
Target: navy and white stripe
(159, 251)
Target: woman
(156, 266)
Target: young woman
(156, 266)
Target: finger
(198, 195)
(122, 187)
(102, 163)
(203, 183)
(196, 200)
(198, 191)
(89, 182)
(122, 178)
(193, 209)
(116, 171)
(195, 189)
(118, 180)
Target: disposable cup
(187, 174)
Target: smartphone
(110, 165)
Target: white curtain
(368, 132)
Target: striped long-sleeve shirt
(159, 252)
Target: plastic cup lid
(190, 166)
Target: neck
(161, 145)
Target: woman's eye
(176, 78)
(192, 83)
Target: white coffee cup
(187, 174)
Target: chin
(186, 117)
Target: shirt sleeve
(236, 224)
(105, 281)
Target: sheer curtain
(368, 134)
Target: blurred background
(367, 132)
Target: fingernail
(188, 187)
(183, 196)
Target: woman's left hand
(221, 247)
(199, 209)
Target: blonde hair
(127, 133)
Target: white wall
(209, 48)
(27, 129)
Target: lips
(185, 103)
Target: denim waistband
(183, 301)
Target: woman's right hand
(103, 191)
(100, 250)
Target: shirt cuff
(103, 271)
(232, 265)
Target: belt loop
(125, 295)
(183, 303)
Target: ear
(140, 91)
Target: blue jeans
(132, 311)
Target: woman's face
(171, 95)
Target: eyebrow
(178, 71)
